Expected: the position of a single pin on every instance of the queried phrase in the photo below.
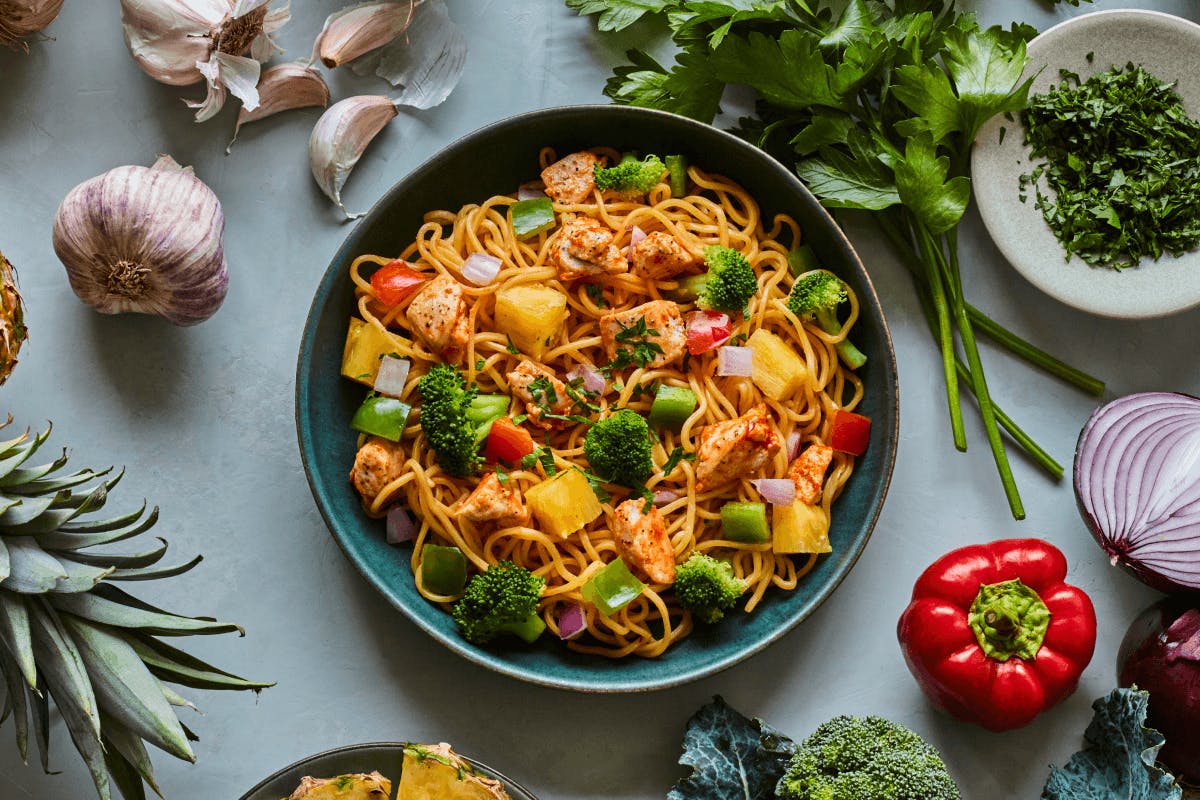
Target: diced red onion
(481, 268)
(593, 381)
(734, 361)
(634, 237)
(793, 445)
(776, 491)
(1137, 479)
(572, 622)
(392, 375)
(664, 497)
(400, 526)
(531, 191)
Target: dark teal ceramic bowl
(384, 757)
(494, 160)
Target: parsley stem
(1034, 354)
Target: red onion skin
(1174, 686)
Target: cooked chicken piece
(492, 500)
(438, 314)
(808, 472)
(571, 179)
(550, 391)
(583, 247)
(378, 463)
(664, 327)
(642, 540)
(661, 256)
(735, 448)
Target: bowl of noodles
(581, 391)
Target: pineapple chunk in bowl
(496, 160)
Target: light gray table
(202, 418)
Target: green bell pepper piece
(672, 406)
(487, 408)
(381, 416)
(531, 217)
(745, 522)
(802, 260)
(443, 569)
(612, 588)
(677, 174)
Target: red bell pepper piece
(706, 330)
(393, 283)
(851, 432)
(507, 442)
(994, 636)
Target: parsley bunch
(877, 106)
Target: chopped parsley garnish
(595, 482)
(480, 364)
(637, 350)
(673, 460)
(501, 475)
(596, 292)
(510, 347)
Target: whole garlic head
(21, 18)
(145, 240)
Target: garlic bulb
(181, 42)
(21, 18)
(145, 240)
(341, 136)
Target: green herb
(596, 292)
(737, 340)
(501, 475)
(595, 481)
(1121, 166)
(879, 104)
(545, 457)
(647, 499)
(480, 364)
(677, 455)
(510, 347)
(639, 350)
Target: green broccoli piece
(729, 283)
(631, 176)
(618, 449)
(501, 599)
(816, 296)
(707, 587)
(866, 758)
(445, 407)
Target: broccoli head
(501, 599)
(816, 295)
(729, 283)
(618, 448)
(445, 400)
(707, 587)
(631, 176)
(866, 758)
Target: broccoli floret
(501, 599)
(707, 587)
(816, 296)
(445, 400)
(631, 176)
(866, 758)
(618, 449)
(729, 283)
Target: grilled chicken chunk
(735, 448)
(807, 471)
(493, 501)
(661, 256)
(642, 540)
(571, 179)
(438, 314)
(550, 391)
(661, 316)
(378, 463)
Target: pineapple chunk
(344, 787)
(365, 346)
(800, 528)
(532, 316)
(435, 772)
(563, 504)
(775, 368)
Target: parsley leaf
(617, 15)
(673, 460)
(510, 347)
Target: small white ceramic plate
(1167, 47)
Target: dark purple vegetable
(1137, 480)
(1161, 654)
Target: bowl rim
(477, 655)
(353, 748)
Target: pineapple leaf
(41, 727)
(80, 577)
(126, 690)
(6, 448)
(70, 537)
(178, 700)
(62, 512)
(20, 451)
(109, 605)
(120, 561)
(176, 666)
(124, 774)
(28, 509)
(26, 475)
(152, 573)
(17, 701)
(48, 485)
(7, 502)
(15, 635)
(5, 564)
(122, 742)
(100, 526)
(34, 571)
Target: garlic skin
(282, 88)
(356, 30)
(182, 42)
(21, 18)
(341, 136)
(145, 240)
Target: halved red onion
(664, 497)
(572, 622)
(635, 236)
(793, 445)
(733, 360)
(392, 375)
(593, 381)
(531, 191)
(1137, 480)
(481, 268)
(776, 491)
(400, 526)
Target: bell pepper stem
(1009, 619)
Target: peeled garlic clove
(340, 137)
(21, 18)
(360, 29)
(282, 88)
(145, 240)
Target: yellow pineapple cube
(776, 369)
(365, 346)
(564, 503)
(532, 316)
(800, 528)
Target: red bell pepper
(394, 282)
(706, 330)
(993, 634)
(507, 442)
(851, 432)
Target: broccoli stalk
(727, 286)
(707, 587)
(632, 176)
(816, 296)
(866, 758)
(502, 599)
(618, 449)
(446, 419)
